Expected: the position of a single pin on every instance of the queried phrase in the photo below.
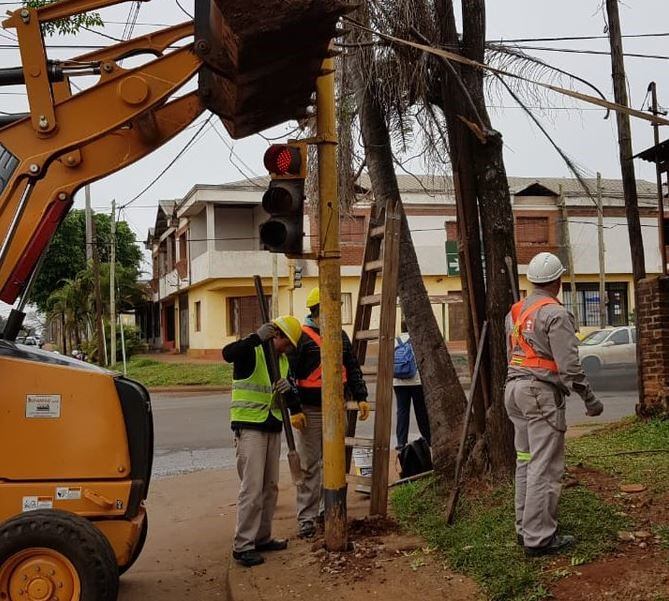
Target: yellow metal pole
(329, 277)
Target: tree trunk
(444, 396)
(481, 165)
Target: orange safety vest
(529, 357)
(315, 378)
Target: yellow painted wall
(213, 296)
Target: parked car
(612, 350)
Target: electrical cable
(183, 9)
(169, 165)
(595, 52)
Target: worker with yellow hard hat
(306, 366)
(257, 424)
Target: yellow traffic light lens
(273, 233)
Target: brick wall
(653, 327)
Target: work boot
(307, 530)
(556, 544)
(248, 558)
(274, 544)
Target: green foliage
(598, 451)
(66, 256)
(133, 341)
(155, 373)
(482, 540)
(66, 26)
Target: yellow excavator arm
(257, 67)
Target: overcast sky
(578, 128)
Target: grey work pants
(537, 410)
(258, 456)
(309, 444)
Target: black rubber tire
(74, 537)
(138, 547)
(592, 366)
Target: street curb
(190, 388)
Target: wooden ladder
(381, 258)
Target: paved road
(193, 432)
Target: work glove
(298, 421)
(282, 386)
(266, 331)
(363, 410)
(593, 407)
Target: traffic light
(284, 199)
(297, 278)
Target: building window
(198, 316)
(244, 315)
(532, 230)
(183, 253)
(352, 229)
(346, 308)
(587, 300)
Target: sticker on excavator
(66, 493)
(35, 503)
(45, 406)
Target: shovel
(272, 362)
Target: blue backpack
(405, 366)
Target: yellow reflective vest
(252, 398)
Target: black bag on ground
(415, 458)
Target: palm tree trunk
(444, 396)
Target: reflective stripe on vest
(315, 378)
(252, 398)
(527, 357)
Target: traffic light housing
(261, 59)
(283, 232)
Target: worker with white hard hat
(544, 368)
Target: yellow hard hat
(314, 298)
(290, 326)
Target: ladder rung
(377, 232)
(374, 265)
(369, 370)
(367, 334)
(357, 479)
(372, 299)
(353, 406)
(359, 442)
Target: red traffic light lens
(283, 160)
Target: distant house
(205, 250)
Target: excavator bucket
(262, 57)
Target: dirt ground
(383, 563)
(191, 523)
(638, 570)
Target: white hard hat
(544, 268)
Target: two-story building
(206, 249)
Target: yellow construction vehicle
(76, 441)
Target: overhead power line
(170, 164)
(596, 52)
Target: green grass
(651, 469)
(482, 541)
(154, 373)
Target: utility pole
(570, 258)
(652, 88)
(89, 224)
(275, 285)
(625, 144)
(600, 248)
(99, 324)
(112, 289)
(329, 276)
